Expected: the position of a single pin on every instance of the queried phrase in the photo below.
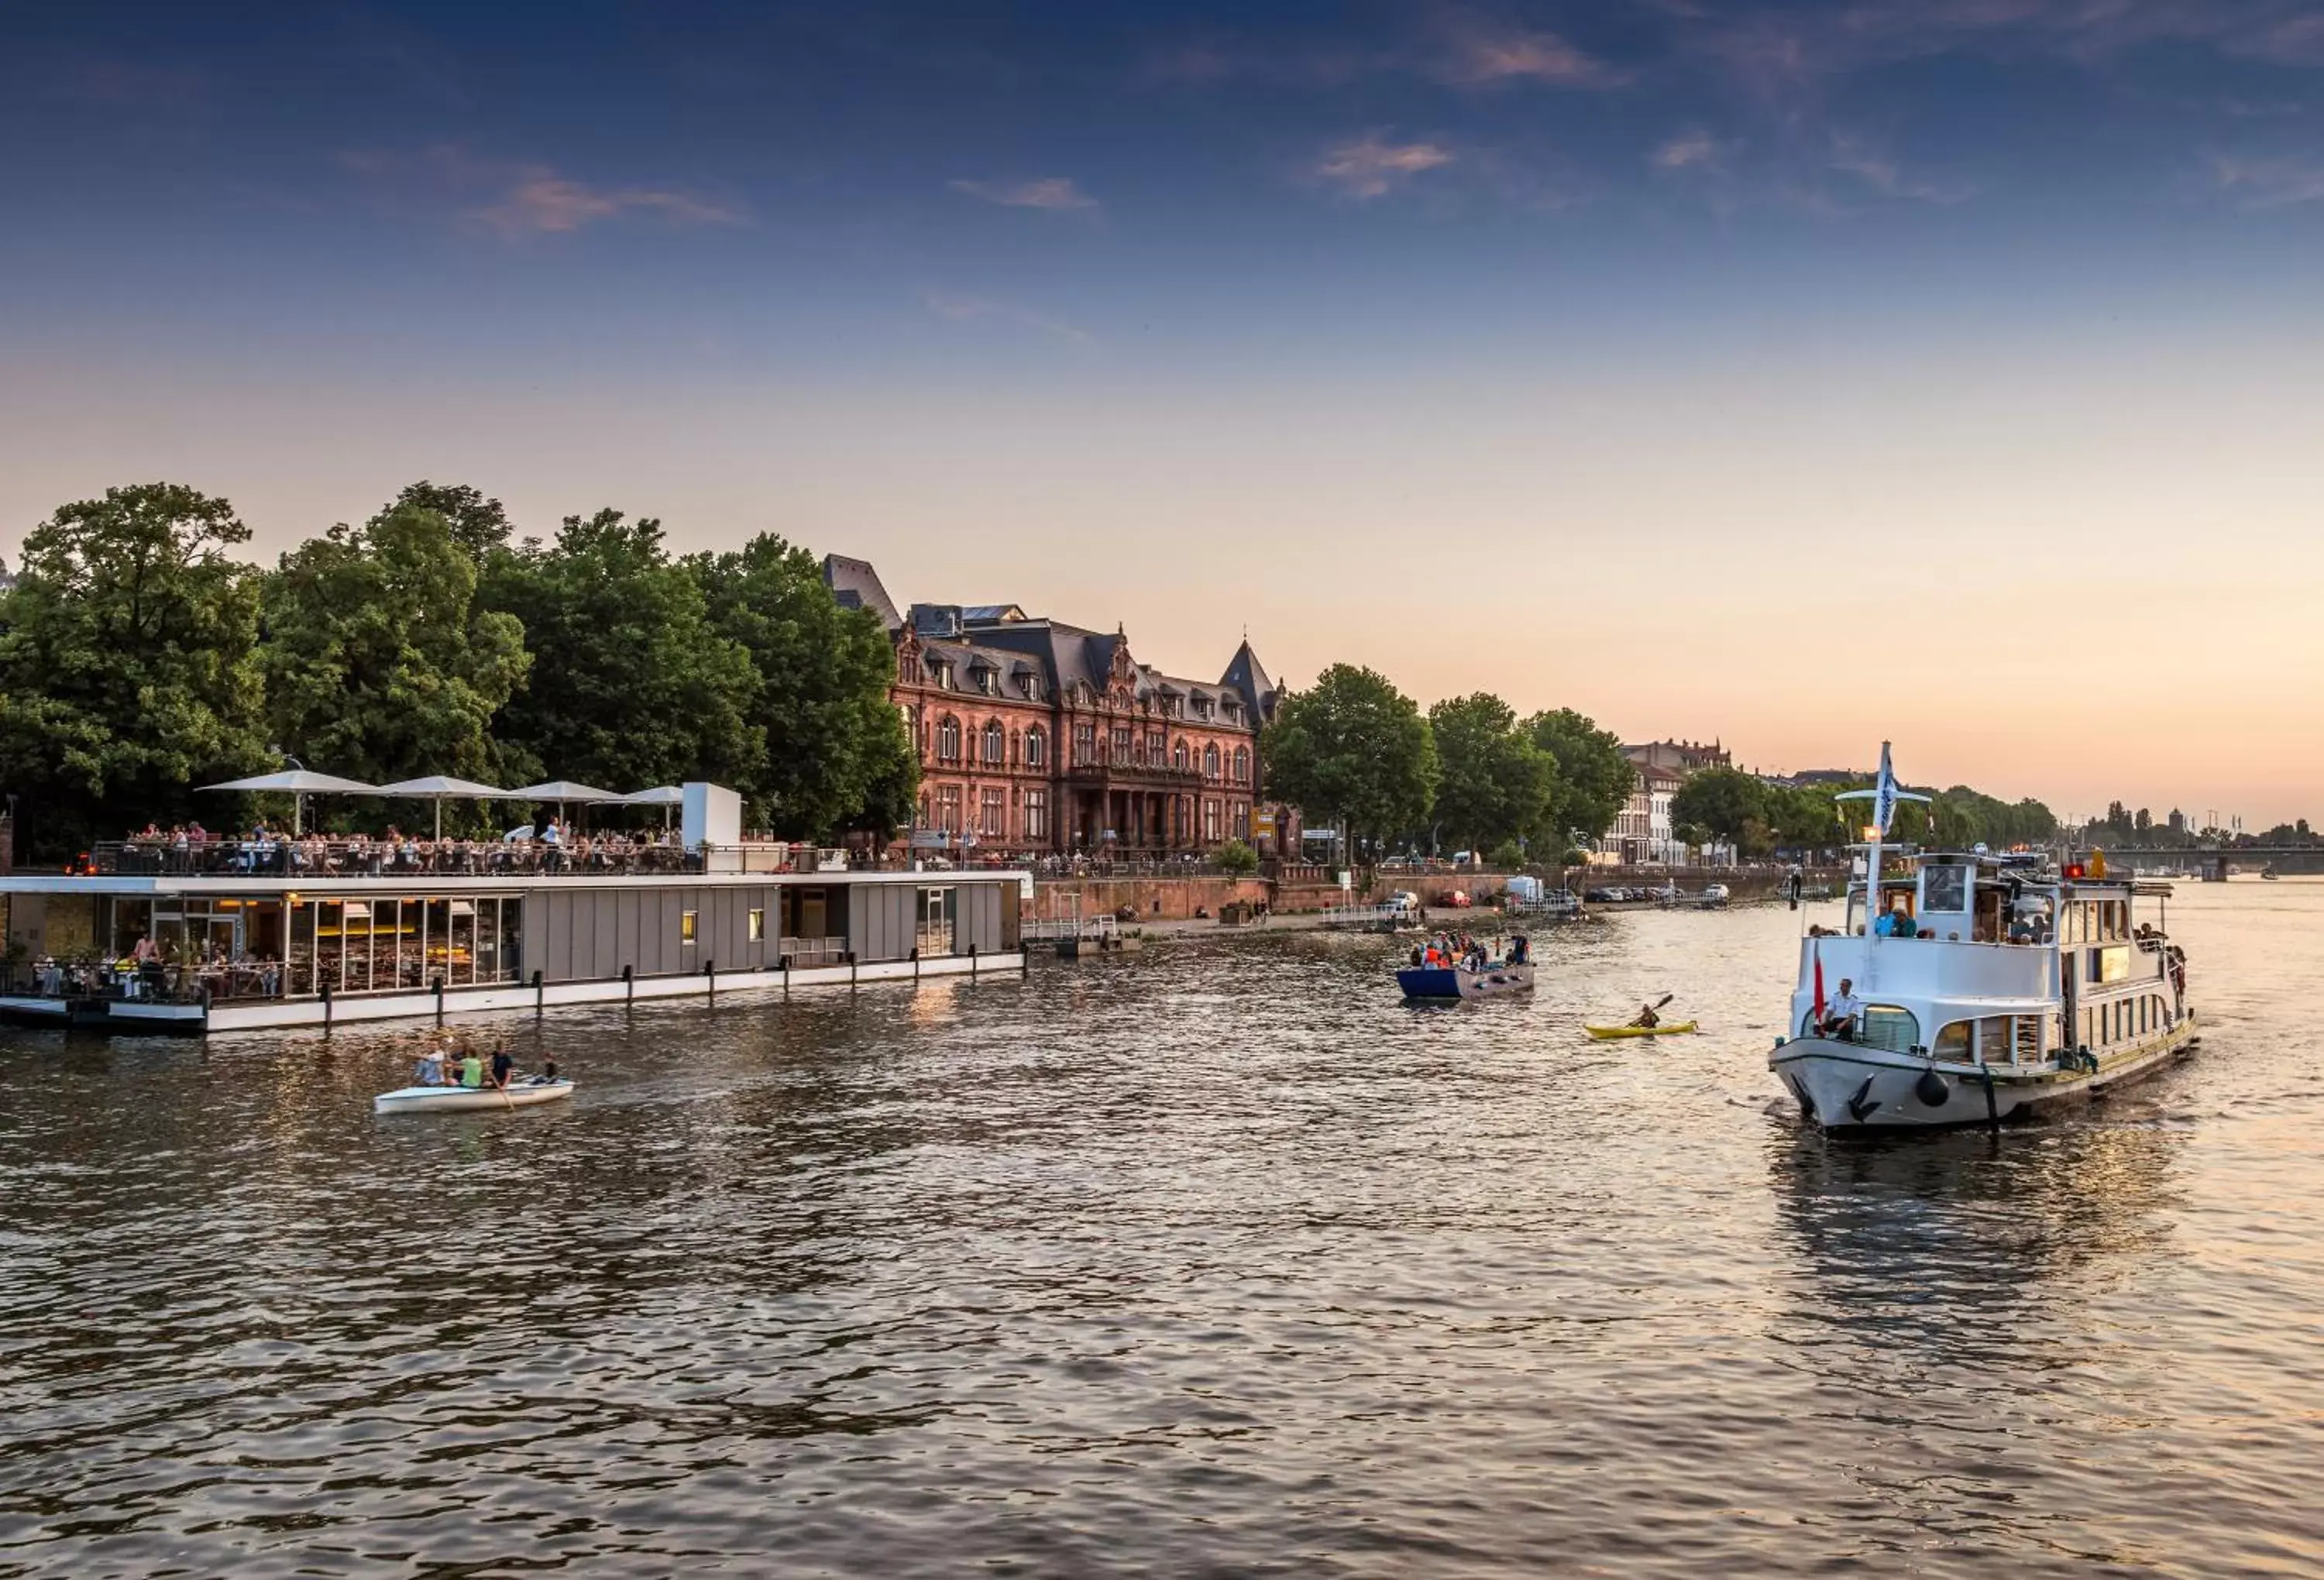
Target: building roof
(854, 584)
(1247, 677)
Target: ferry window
(1993, 1039)
(2110, 963)
(1952, 1041)
(1944, 888)
(758, 926)
(686, 926)
(1887, 1025)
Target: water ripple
(1211, 1260)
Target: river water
(1216, 1260)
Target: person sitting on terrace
(145, 951)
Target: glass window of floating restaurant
(939, 909)
(350, 946)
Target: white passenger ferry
(1978, 988)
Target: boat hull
(1450, 984)
(1850, 1087)
(1675, 1029)
(464, 1100)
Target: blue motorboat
(1448, 983)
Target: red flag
(1818, 950)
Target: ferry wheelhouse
(243, 935)
(1980, 987)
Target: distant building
(1642, 835)
(2178, 824)
(1040, 737)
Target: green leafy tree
(128, 674)
(1494, 785)
(1236, 858)
(379, 664)
(837, 756)
(1595, 780)
(478, 525)
(1726, 800)
(630, 685)
(1354, 748)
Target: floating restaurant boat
(453, 1100)
(1980, 988)
(243, 944)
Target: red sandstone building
(1038, 737)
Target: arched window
(1243, 765)
(948, 738)
(996, 743)
(1211, 761)
(1037, 748)
(1179, 757)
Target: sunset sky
(1800, 376)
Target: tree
(1495, 786)
(630, 685)
(127, 673)
(837, 754)
(478, 525)
(1354, 748)
(1236, 858)
(379, 664)
(1595, 780)
(1725, 800)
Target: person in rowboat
(429, 1070)
(503, 1065)
(472, 1069)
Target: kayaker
(472, 1069)
(503, 1065)
(1646, 1020)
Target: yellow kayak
(1670, 1030)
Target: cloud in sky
(956, 309)
(1371, 167)
(1689, 151)
(517, 198)
(1853, 156)
(1481, 57)
(2270, 183)
(1055, 192)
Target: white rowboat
(439, 1099)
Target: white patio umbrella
(299, 782)
(561, 791)
(442, 787)
(662, 796)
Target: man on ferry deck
(1841, 1013)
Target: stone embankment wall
(1177, 899)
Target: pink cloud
(1370, 168)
